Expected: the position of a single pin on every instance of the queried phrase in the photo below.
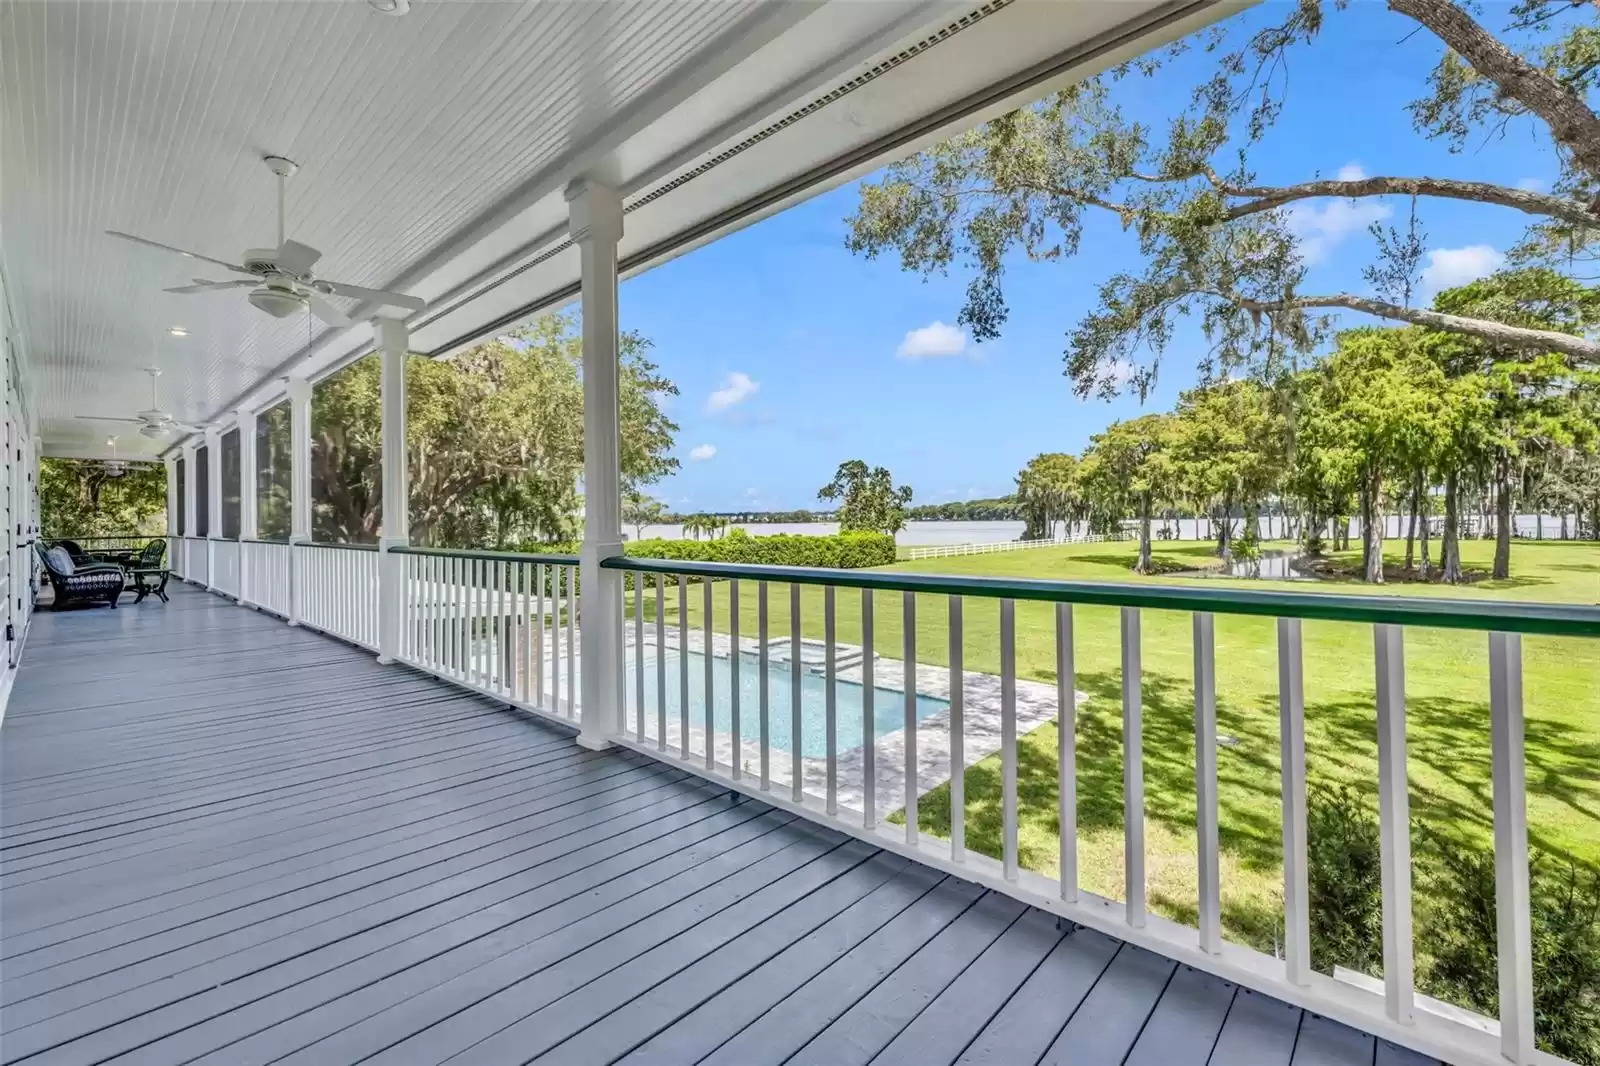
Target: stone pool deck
(1036, 705)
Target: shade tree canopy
(494, 439)
(868, 499)
(1216, 243)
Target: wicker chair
(91, 583)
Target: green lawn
(1447, 715)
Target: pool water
(888, 705)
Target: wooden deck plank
(269, 847)
(1259, 1031)
(872, 1023)
(1029, 1023)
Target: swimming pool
(888, 705)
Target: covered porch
(231, 840)
(337, 802)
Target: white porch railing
(498, 623)
(196, 564)
(265, 574)
(336, 587)
(225, 567)
(507, 625)
(175, 558)
(728, 735)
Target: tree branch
(1572, 123)
(1535, 340)
(1266, 198)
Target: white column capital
(299, 389)
(594, 212)
(392, 334)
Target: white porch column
(213, 501)
(172, 497)
(595, 222)
(191, 520)
(393, 343)
(247, 496)
(299, 485)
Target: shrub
(841, 551)
(1460, 963)
(1344, 880)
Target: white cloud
(1122, 371)
(737, 387)
(1351, 172)
(1449, 267)
(1323, 227)
(933, 341)
(701, 452)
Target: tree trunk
(1144, 537)
(1411, 526)
(1225, 532)
(1572, 123)
(1425, 560)
(1538, 524)
(1372, 529)
(1450, 551)
(1563, 523)
(1502, 519)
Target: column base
(591, 742)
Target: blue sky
(793, 355)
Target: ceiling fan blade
(296, 258)
(324, 310)
(169, 248)
(103, 418)
(201, 285)
(377, 296)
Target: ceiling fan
(281, 281)
(154, 422)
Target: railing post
(1513, 930)
(393, 343)
(595, 222)
(299, 490)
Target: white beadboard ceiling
(433, 152)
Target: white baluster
(1205, 782)
(1008, 738)
(683, 666)
(638, 654)
(909, 622)
(557, 576)
(1132, 768)
(1067, 752)
(762, 685)
(661, 662)
(710, 660)
(1394, 822)
(869, 725)
(958, 735)
(572, 641)
(796, 777)
(830, 700)
(1513, 930)
(735, 732)
(1292, 759)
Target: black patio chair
(148, 573)
(90, 583)
(75, 552)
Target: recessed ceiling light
(390, 7)
(177, 331)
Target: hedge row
(839, 551)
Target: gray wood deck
(226, 840)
